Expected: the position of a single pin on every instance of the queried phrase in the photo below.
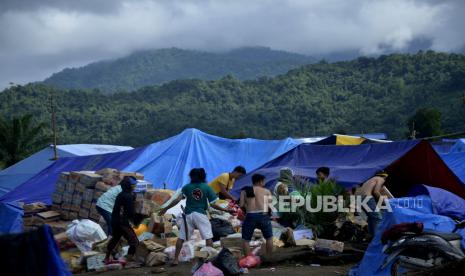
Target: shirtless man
(254, 199)
(372, 188)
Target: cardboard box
(89, 179)
(158, 196)
(84, 213)
(329, 245)
(34, 207)
(57, 197)
(73, 215)
(64, 215)
(65, 206)
(74, 177)
(56, 207)
(95, 262)
(64, 177)
(167, 242)
(49, 216)
(70, 187)
(58, 226)
(156, 258)
(75, 207)
(86, 204)
(145, 248)
(107, 171)
(138, 176)
(30, 221)
(60, 186)
(160, 224)
(145, 207)
(79, 187)
(67, 197)
(88, 195)
(231, 242)
(77, 199)
(94, 216)
(305, 242)
(142, 186)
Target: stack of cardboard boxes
(76, 193)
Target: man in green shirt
(198, 197)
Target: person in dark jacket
(123, 213)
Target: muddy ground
(289, 269)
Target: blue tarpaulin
(459, 146)
(170, 161)
(165, 162)
(41, 186)
(456, 162)
(444, 203)
(20, 172)
(409, 209)
(11, 217)
(407, 162)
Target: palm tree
(20, 137)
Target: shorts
(195, 221)
(256, 220)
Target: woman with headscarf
(284, 181)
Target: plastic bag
(227, 263)
(221, 228)
(186, 254)
(84, 233)
(208, 269)
(249, 261)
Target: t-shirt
(222, 180)
(107, 200)
(198, 196)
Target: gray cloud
(38, 38)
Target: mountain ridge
(359, 96)
(155, 67)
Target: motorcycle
(412, 249)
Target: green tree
(20, 137)
(426, 122)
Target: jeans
(107, 217)
(373, 217)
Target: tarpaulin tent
(407, 162)
(339, 139)
(171, 160)
(444, 203)
(456, 162)
(41, 186)
(14, 175)
(11, 217)
(409, 209)
(459, 146)
(167, 162)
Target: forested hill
(363, 95)
(153, 67)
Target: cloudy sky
(39, 37)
